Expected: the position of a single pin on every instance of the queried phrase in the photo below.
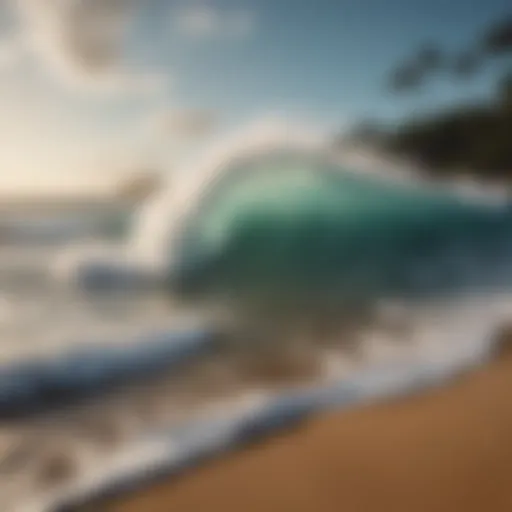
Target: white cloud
(206, 22)
(81, 42)
(83, 34)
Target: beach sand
(446, 450)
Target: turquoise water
(284, 227)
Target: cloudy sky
(89, 88)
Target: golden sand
(446, 450)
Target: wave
(303, 226)
(273, 217)
(279, 214)
(274, 208)
(272, 223)
(224, 421)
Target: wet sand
(446, 450)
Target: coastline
(446, 449)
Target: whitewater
(272, 278)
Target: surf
(339, 285)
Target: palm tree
(407, 77)
(411, 74)
(497, 39)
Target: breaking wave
(270, 219)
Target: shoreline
(445, 449)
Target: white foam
(444, 340)
(159, 225)
(221, 425)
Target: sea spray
(294, 227)
(288, 234)
(275, 205)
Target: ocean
(256, 290)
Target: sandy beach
(446, 450)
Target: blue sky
(84, 95)
(331, 57)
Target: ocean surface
(269, 284)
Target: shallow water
(219, 397)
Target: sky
(93, 88)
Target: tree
(497, 39)
(407, 77)
(471, 136)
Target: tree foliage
(498, 38)
(472, 136)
